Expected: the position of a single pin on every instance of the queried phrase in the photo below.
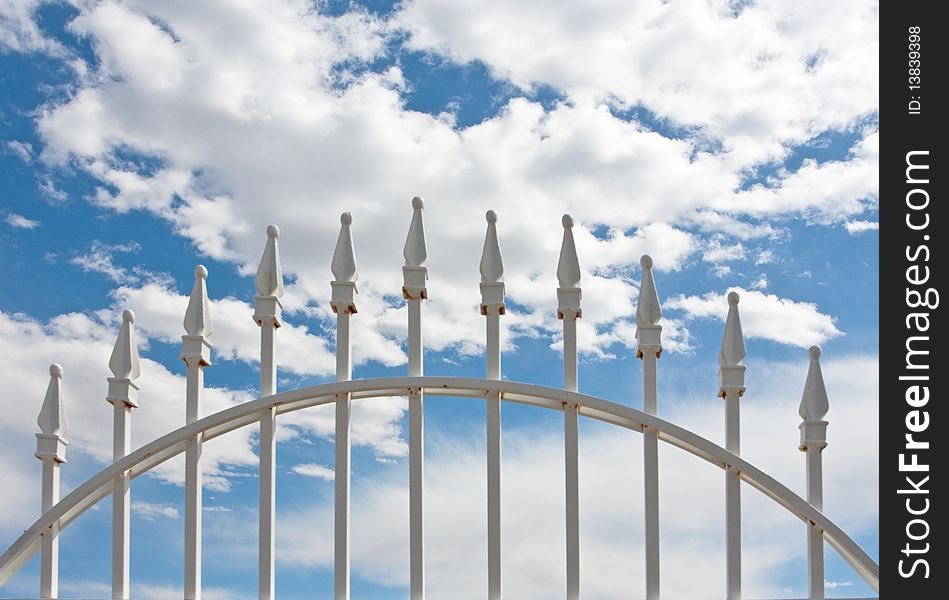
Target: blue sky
(735, 143)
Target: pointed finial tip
(646, 261)
(814, 351)
(733, 298)
(418, 203)
(56, 370)
(273, 231)
(567, 221)
(128, 316)
(491, 216)
(346, 218)
(201, 272)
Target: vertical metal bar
(493, 424)
(121, 441)
(569, 352)
(651, 476)
(343, 452)
(572, 500)
(416, 455)
(732, 499)
(815, 538)
(193, 483)
(268, 426)
(49, 557)
(571, 451)
(416, 474)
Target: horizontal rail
(174, 443)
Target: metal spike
(124, 361)
(52, 419)
(733, 342)
(269, 278)
(647, 308)
(415, 252)
(198, 316)
(344, 258)
(492, 268)
(814, 401)
(568, 269)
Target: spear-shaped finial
(415, 252)
(344, 258)
(647, 308)
(733, 343)
(568, 269)
(492, 268)
(814, 401)
(52, 419)
(198, 316)
(124, 361)
(269, 278)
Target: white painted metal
(492, 307)
(568, 310)
(123, 394)
(269, 283)
(172, 444)
(649, 347)
(731, 387)
(196, 354)
(343, 304)
(414, 290)
(124, 363)
(51, 450)
(813, 407)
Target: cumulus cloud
(20, 32)
(763, 315)
(83, 344)
(612, 551)
(314, 470)
(20, 222)
(240, 134)
(855, 227)
(151, 510)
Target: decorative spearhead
(269, 278)
(647, 307)
(344, 258)
(733, 342)
(492, 269)
(814, 401)
(568, 269)
(124, 361)
(198, 316)
(415, 252)
(52, 419)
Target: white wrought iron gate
(115, 479)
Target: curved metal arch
(212, 426)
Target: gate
(115, 479)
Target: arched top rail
(212, 426)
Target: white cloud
(22, 150)
(760, 283)
(763, 315)
(83, 344)
(755, 77)
(20, 32)
(314, 470)
(20, 222)
(855, 227)
(278, 122)
(150, 510)
(717, 251)
(611, 499)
